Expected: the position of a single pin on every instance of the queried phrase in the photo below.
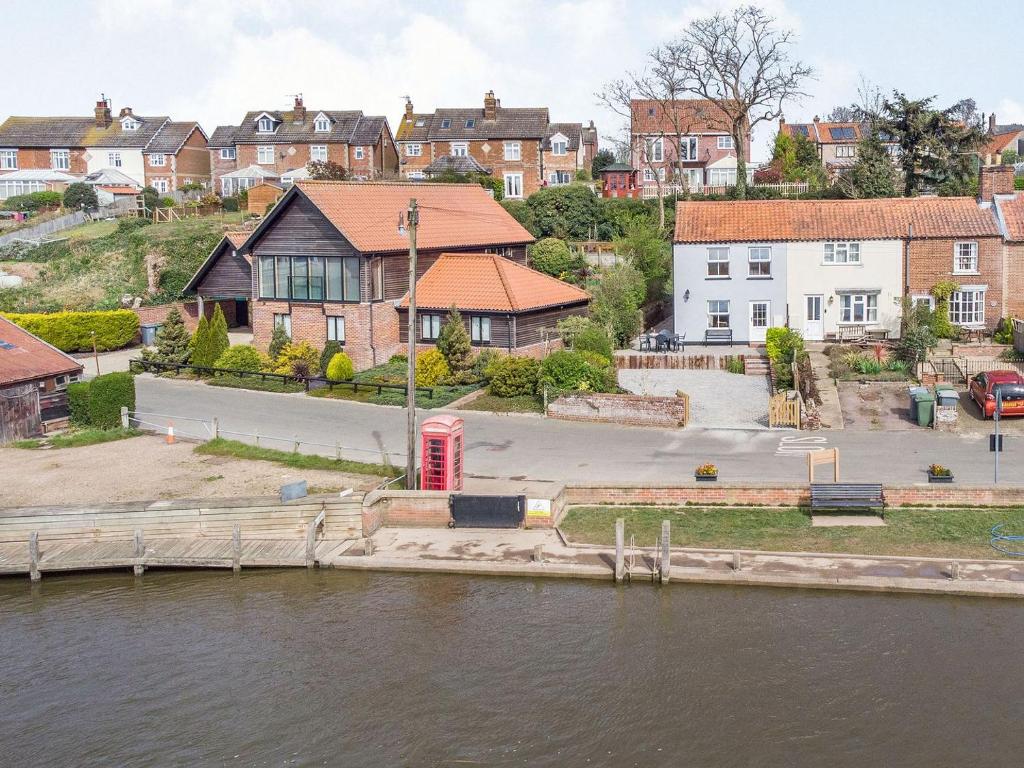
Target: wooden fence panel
(19, 413)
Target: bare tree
(741, 62)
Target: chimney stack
(299, 110)
(408, 108)
(995, 180)
(125, 112)
(490, 106)
(102, 114)
(992, 123)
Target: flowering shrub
(706, 470)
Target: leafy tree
(340, 367)
(916, 335)
(602, 159)
(568, 212)
(551, 256)
(795, 159)
(514, 376)
(150, 198)
(202, 344)
(485, 180)
(873, 173)
(1009, 157)
(593, 339)
(616, 302)
(219, 342)
(278, 340)
(326, 170)
(454, 343)
(644, 247)
(80, 196)
(521, 211)
(173, 341)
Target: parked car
(1009, 383)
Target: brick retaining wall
(412, 509)
(621, 409)
(189, 313)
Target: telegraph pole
(410, 394)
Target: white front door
(760, 314)
(814, 328)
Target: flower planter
(939, 478)
(706, 478)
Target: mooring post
(737, 561)
(311, 545)
(368, 546)
(33, 557)
(666, 556)
(337, 451)
(215, 427)
(140, 552)
(124, 417)
(620, 549)
(236, 548)
(538, 553)
(954, 570)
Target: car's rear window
(1010, 391)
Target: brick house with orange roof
(836, 143)
(504, 305)
(329, 262)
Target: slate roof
(76, 132)
(111, 176)
(452, 215)
(449, 163)
(626, 167)
(222, 136)
(488, 282)
(351, 127)
(410, 130)
(572, 131)
(701, 115)
(172, 136)
(789, 220)
(25, 357)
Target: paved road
(523, 446)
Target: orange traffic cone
(170, 433)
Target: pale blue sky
(212, 60)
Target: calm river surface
(349, 669)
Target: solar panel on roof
(844, 132)
(801, 129)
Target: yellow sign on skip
(538, 507)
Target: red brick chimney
(490, 106)
(408, 108)
(992, 123)
(995, 180)
(299, 110)
(102, 113)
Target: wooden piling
(737, 561)
(620, 549)
(236, 548)
(33, 557)
(140, 552)
(538, 553)
(666, 556)
(954, 570)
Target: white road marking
(799, 446)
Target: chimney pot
(817, 119)
(992, 123)
(102, 114)
(299, 110)
(490, 106)
(125, 111)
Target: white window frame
(129, 124)
(845, 150)
(414, 150)
(719, 308)
(284, 319)
(446, 123)
(654, 150)
(430, 327)
(513, 150)
(648, 174)
(972, 314)
(718, 257)
(480, 330)
(262, 153)
(965, 257)
(322, 124)
(923, 298)
(560, 178)
(160, 185)
(265, 125)
(227, 153)
(8, 159)
(60, 159)
(839, 252)
(336, 328)
(726, 142)
(513, 185)
(158, 160)
(559, 147)
(459, 149)
(114, 159)
(850, 303)
(318, 153)
(415, 175)
(722, 177)
(359, 153)
(757, 257)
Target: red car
(1009, 383)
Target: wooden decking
(225, 533)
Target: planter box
(939, 478)
(705, 478)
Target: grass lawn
(393, 372)
(238, 450)
(253, 382)
(926, 532)
(78, 438)
(520, 404)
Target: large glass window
(309, 278)
(334, 284)
(967, 307)
(350, 268)
(718, 262)
(316, 278)
(284, 278)
(266, 276)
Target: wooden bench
(846, 496)
(718, 336)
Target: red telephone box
(441, 452)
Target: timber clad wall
(231, 275)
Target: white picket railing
(786, 189)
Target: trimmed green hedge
(72, 331)
(98, 402)
(78, 403)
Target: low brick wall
(786, 494)
(988, 351)
(189, 312)
(675, 361)
(412, 509)
(621, 409)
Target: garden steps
(756, 366)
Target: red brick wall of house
(567, 162)
(415, 163)
(295, 155)
(707, 154)
(189, 312)
(39, 159)
(193, 160)
(218, 168)
(931, 261)
(528, 164)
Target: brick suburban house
(329, 261)
(1002, 139)
(518, 145)
(820, 266)
(836, 143)
(154, 151)
(278, 145)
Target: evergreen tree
(172, 341)
(454, 343)
(219, 341)
(278, 340)
(873, 174)
(202, 349)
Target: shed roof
(25, 357)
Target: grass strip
(239, 450)
(495, 404)
(920, 532)
(78, 438)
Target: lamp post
(410, 392)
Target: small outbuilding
(619, 180)
(262, 196)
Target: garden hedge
(107, 394)
(78, 403)
(72, 331)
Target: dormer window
(446, 123)
(265, 125)
(322, 124)
(559, 144)
(130, 124)
(471, 123)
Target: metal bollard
(620, 549)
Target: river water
(350, 669)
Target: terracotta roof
(999, 142)
(699, 115)
(237, 239)
(451, 215)
(488, 282)
(1013, 216)
(24, 357)
(117, 190)
(838, 133)
(782, 220)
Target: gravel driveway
(717, 398)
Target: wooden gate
(19, 413)
(783, 412)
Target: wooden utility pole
(410, 394)
(95, 354)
